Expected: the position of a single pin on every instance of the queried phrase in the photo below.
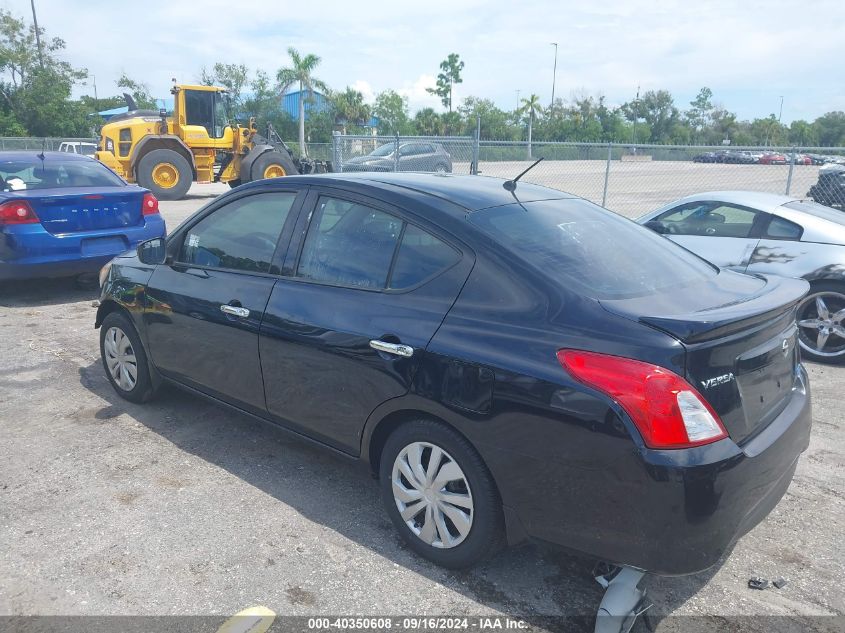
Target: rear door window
(781, 229)
(349, 244)
(420, 257)
(241, 235)
(594, 251)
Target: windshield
(51, 174)
(599, 253)
(384, 150)
(818, 210)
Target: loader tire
(165, 173)
(272, 165)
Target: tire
(234, 183)
(272, 165)
(166, 173)
(442, 168)
(812, 327)
(117, 324)
(478, 529)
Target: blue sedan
(65, 214)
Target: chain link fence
(49, 144)
(629, 179)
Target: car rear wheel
(440, 495)
(821, 323)
(124, 358)
(166, 173)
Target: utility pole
(37, 35)
(554, 73)
(517, 98)
(96, 99)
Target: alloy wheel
(821, 324)
(432, 494)
(120, 359)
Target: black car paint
(569, 464)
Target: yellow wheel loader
(198, 143)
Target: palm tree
(350, 108)
(532, 108)
(300, 73)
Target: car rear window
(50, 174)
(598, 253)
(818, 210)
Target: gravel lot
(181, 507)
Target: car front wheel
(124, 358)
(440, 495)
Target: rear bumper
(670, 512)
(29, 251)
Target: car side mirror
(153, 251)
(656, 226)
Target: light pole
(554, 73)
(37, 36)
(780, 112)
(517, 98)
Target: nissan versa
(512, 361)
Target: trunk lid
(91, 209)
(740, 338)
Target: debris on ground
(755, 582)
(780, 583)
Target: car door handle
(235, 311)
(405, 351)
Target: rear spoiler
(780, 296)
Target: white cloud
(365, 89)
(747, 52)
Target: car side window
(711, 219)
(420, 256)
(781, 229)
(241, 235)
(349, 244)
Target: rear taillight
(17, 212)
(150, 204)
(665, 408)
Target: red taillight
(665, 408)
(150, 204)
(17, 212)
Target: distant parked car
(78, 147)
(706, 157)
(754, 232)
(800, 159)
(63, 214)
(773, 158)
(830, 188)
(739, 157)
(413, 156)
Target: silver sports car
(756, 232)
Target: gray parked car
(413, 156)
(755, 232)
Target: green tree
(657, 109)
(139, 91)
(450, 74)
(232, 77)
(301, 73)
(35, 89)
(802, 133)
(428, 123)
(349, 108)
(698, 116)
(391, 109)
(530, 110)
(830, 129)
(495, 123)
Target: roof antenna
(43, 147)
(510, 185)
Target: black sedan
(512, 362)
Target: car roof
(472, 193)
(756, 199)
(33, 156)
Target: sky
(748, 52)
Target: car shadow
(547, 588)
(31, 293)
